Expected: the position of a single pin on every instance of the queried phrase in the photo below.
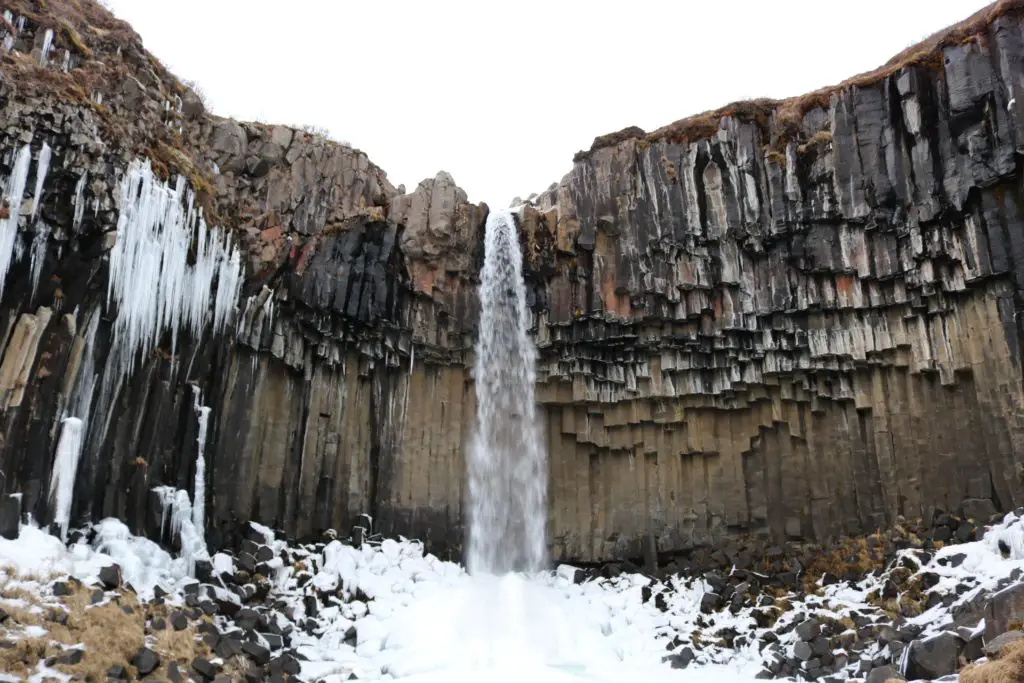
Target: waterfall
(507, 461)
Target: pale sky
(502, 94)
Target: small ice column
(42, 168)
(199, 506)
(47, 43)
(72, 434)
(38, 255)
(14, 192)
(8, 36)
(176, 503)
(65, 466)
(80, 201)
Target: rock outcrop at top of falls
(794, 319)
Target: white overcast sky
(501, 94)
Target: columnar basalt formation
(807, 312)
(796, 318)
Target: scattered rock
(1004, 609)
(808, 630)
(179, 621)
(709, 602)
(146, 661)
(110, 577)
(935, 657)
(257, 653)
(884, 673)
(681, 659)
(205, 668)
(994, 647)
(174, 673)
(10, 515)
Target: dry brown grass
(857, 555)
(1009, 668)
(236, 667)
(847, 623)
(819, 139)
(81, 26)
(109, 633)
(788, 113)
(94, 35)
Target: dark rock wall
(799, 327)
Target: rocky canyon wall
(795, 319)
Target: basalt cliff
(788, 319)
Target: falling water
(507, 462)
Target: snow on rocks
(385, 609)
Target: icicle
(42, 168)
(79, 201)
(66, 65)
(8, 37)
(14, 193)
(155, 289)
(38, 257)
(47, 42)
(65, 466)
(412, 358)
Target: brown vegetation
(111, 633)
(107, 51)
(786, 115)
(1008, 668)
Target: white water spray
(507, 462)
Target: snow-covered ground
(386, 611)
